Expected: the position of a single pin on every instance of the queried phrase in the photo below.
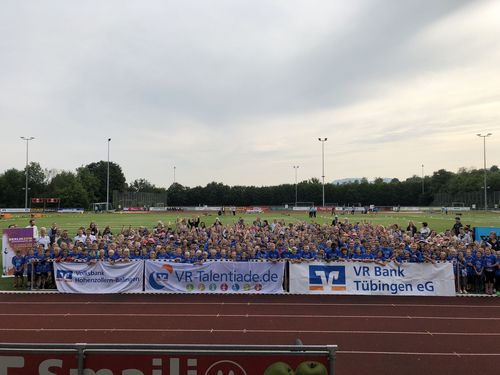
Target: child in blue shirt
(30, 258)
(489, 264)
(19, 263)
(478, 270)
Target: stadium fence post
(80, 347)
(332, 349)
(32, 275)
(287, 276)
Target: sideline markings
(260, 331)
(218, 315)
(242, 304)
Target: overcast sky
(239, 91)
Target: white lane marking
(242, 304)
(218, 315)
(260, 331)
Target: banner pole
(332, 349)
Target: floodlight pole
(423, 189)
(107, 181)
(484, 154)
(323, 140)
(27, 139)
(295, 167)
(174, 173)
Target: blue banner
(483, 233)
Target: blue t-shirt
(273, 254)
(18, 262)
(261, 254)
(478, 264)
(357, 256)
(287, 254)
(489, 262)
(29, 263)
(387, 252)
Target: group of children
(476, 264)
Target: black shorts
(490, 276)
(18, 274)
(44, 274)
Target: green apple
(311, 368)
(279, 368)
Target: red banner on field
(45, 200)
(146, 364)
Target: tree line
(88, 184)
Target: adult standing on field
(493, 241)
(425, 231)
(53, 233)
(456, 227)
(412, 228)
(35, 228)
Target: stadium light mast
(295, 167)
(323, 140)
(484, 154)
(423, 188)
(27, 139)
(174, 173)
(107, 180)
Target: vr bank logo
(329, 277)
(66, 276)
(157, 280)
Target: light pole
(295, 167)
(107, 183)
(174, 173)
(27, 139)
(423, 189)
(323, 140)
(484, 153)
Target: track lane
(426, 332)
(221, 322)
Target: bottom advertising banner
(100, 277)
(407, 279)
(158, 364)
(214, 277)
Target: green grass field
(116, 221)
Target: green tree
(68, 187)
(97, 185)
(36, 180)
(12, 183)
(142, 185)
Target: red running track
(375, 335)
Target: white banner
(214, 277)
(408, 279)
(100, 277)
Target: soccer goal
(100, 206)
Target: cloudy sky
(239, 91)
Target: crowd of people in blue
(476, 263)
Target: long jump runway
(375, 335)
